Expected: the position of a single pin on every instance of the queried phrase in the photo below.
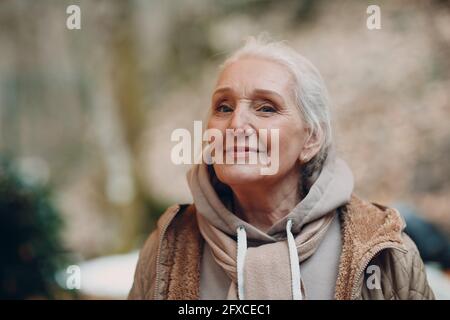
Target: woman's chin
(238, 173)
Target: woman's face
(253, 94)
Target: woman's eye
(267, 108)
(224, 108)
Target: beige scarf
(266, 274)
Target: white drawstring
(293, 260)
(241, 251)
(295, 264)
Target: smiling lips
(241, 150)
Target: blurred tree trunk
(130, 109)
(118, 117)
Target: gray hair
(309, 89)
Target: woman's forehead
(245, 76)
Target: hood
(332, 188)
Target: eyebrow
(254, 92)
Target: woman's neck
(263, 205)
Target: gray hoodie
(332, 188)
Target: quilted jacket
(378, 260)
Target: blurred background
(86, 117)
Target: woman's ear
(312, 145)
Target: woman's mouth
(241, 151)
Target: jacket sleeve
(402, 277)
(418, 289)
(145, 273)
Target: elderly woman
(299, 233)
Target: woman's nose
(240, 120)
